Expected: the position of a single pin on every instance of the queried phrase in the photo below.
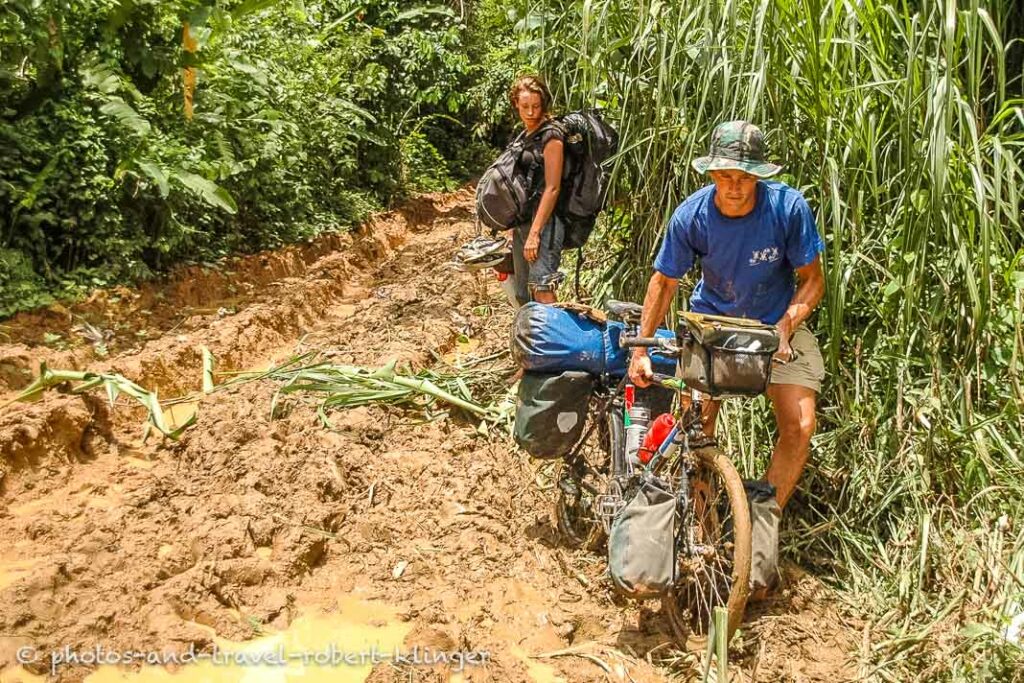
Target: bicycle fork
(689, 542)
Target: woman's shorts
(542, 275)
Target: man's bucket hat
(737, 145)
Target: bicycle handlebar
(647, 343)
(667, 382)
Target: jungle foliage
(306, 116)
(901, 120)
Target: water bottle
(639, 417)
(508, 286)
(656, 436)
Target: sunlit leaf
(124, 113)
(209, 191)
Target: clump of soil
(248, 522)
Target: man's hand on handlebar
(785, 353)
(641, 371)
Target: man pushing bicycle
(760, 258)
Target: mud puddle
(339, 647)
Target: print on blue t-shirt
(747, 263)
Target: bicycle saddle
(625, 311)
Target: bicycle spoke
(576, 515)
(707, 568)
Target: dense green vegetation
(901, 120)
(903, 124)
(306, 117)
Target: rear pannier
(551, 411)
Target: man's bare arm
(809, 292)
(657, 301)
(660, 291)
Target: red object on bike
(656, 436)
(629, 394)
(500, 275)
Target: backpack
(589, 142)
(503, 192)
(505, 196)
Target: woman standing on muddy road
(537, 245)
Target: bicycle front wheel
(714, 550)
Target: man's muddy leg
(794, 407)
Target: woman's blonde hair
(530, 83)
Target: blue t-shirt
(747, 263)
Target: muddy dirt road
(255, 535)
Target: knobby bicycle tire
(690, 601)
(576, 518)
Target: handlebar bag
(725, 356)
(551, 411)
(641, 542)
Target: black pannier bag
(641, 541)
(551, 411)
(725, 356)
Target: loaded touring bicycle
(638, 478)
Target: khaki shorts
(808, 369)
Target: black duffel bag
(551, 412)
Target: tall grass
(902, 123)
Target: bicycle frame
(685, 435)
(687, 463)
(576, 464)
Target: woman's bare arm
(554, 159)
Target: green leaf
(157, 174)
(208, 382)
(211, 192)
(112, 392)
(250, 6)
(101, 78)
(124, 113)
(38, 182)
(258, 75)
(420, 12)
